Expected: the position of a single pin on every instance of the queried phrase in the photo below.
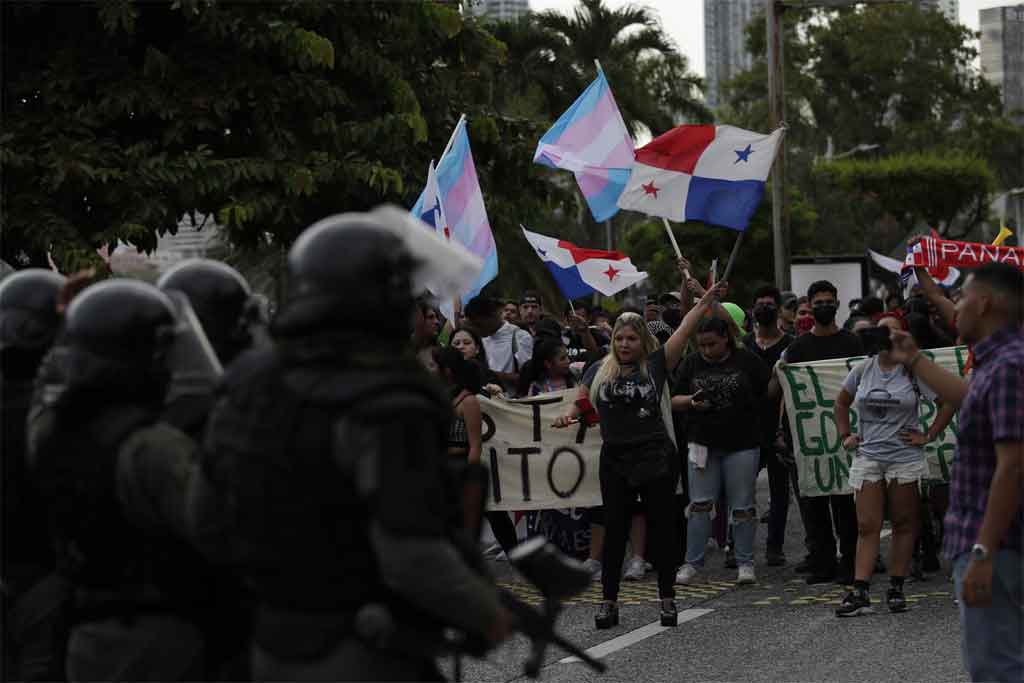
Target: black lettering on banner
(488, 428)
(524, 464)
(551, 471)
(535, 405)
(495, 480)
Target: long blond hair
(610, 366)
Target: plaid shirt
(992, 412)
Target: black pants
(662, 514)
(504, 530)
(823, 514)
(778, 484)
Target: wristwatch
(980, 553)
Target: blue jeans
(992, 638)
(737, 472)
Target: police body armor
(118, 569)
(299, 527)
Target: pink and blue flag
(714, 174)
(591, 140)
(458, 204)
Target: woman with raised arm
(631, 396)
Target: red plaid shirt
(992, 412)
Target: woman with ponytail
(631, 396)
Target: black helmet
(348, 272)
(116, 334)
(220, 297)
(28, 309)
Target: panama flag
(713, 174)
(458, 190)
(591, 140)
(433, 210)
(580, 272)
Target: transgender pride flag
(463, 205)
(591, 140)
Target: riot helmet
(222, 301)
(116, 338)
(28, 319)
(28, 308)
(346, 273)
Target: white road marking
(633, 637)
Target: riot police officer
(115, 481)
(32, 595)
(323, 470)
(227, 315)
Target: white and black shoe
(855, 604)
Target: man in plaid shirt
(985, 523)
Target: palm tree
(650, 78)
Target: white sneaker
(634, 570)
(687, 574)
(746, 574)
(593, 566)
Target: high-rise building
(1002, 54)
(951, 8)
(725, 52)
(499, 10)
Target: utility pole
(776, 115)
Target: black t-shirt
(811, 347)
(735, 388)
(630, 404)
(769, 418)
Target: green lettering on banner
(842, 463)
(795, 388)
(961, 353)
(801, 434)
(823, 422)
(822, 401)
(925, 418)
(825, 488)
(853, 360)
(854, 419)
(946, 453)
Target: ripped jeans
(736, 471)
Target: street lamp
(777, 114)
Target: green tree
(893, 76)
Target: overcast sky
(684, 19)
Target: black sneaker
(730, 558)
(669, 612)
(855, 604)
(895, 600)
(607, 615)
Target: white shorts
(865, 469)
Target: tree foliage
(895, 76)
(916, 188)
(122, 116)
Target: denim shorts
(865, 469)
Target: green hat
(736, 313)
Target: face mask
(825, 315)
(765, 314)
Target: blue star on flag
(743, 155)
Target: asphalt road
(777, 630)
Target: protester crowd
(99, 583)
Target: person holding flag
(630, 391)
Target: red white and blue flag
(714, 174)
(580, 272)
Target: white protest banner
(810, 389)
(534, 466)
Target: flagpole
(451, 140)
(732, 256)
(672, 238)
(598, 65)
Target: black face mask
(825, 314)
(765, 314)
